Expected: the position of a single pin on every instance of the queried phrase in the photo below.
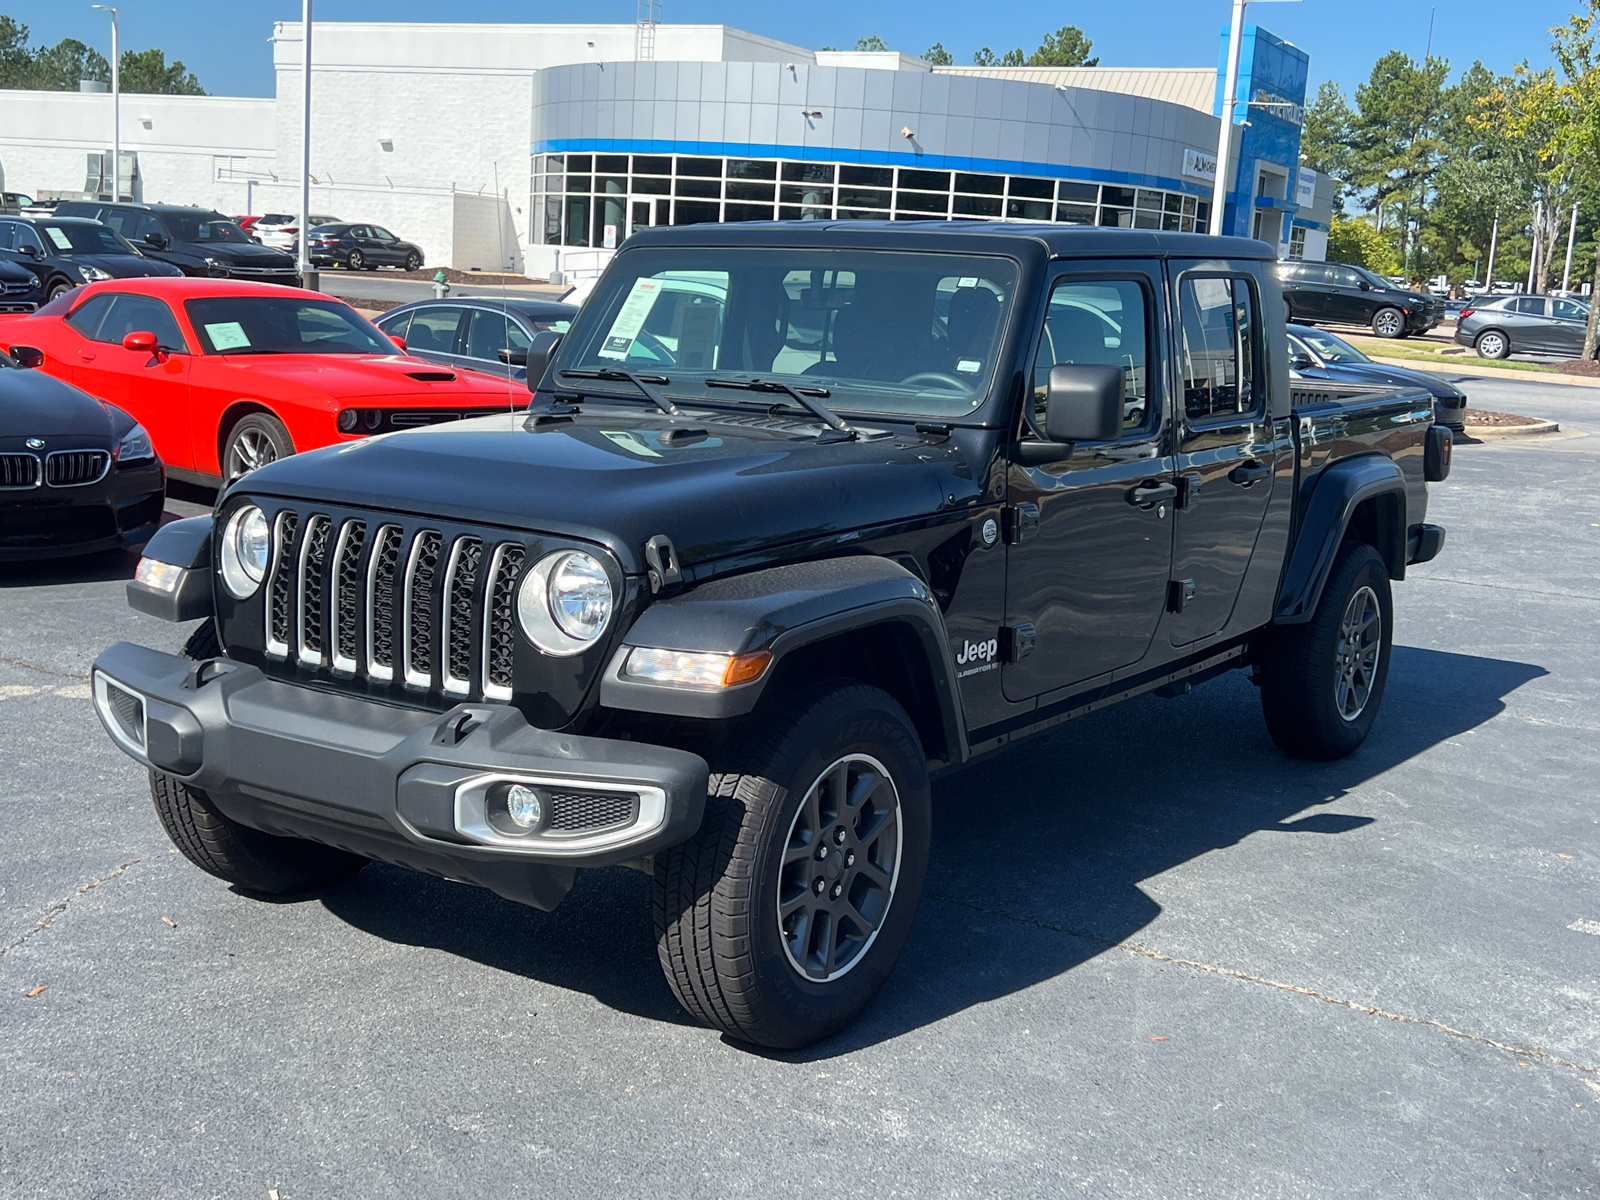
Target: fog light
(524, 806)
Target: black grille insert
(19, 471)
(76, 468)
(586, 812)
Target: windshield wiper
(645, 383)
(801, 396)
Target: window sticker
(630, 318)
(58, 237)
(967, 281)
(969, 366)
(631, 441)
(227, 335)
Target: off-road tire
(255, 861)
(1300, 671)
(716, 896)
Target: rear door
(433, 332)
(1310, 295)
(151, 388)
(1570, 320)
(1531, 325)
(1091, 534)
(488, 333)
(1227, 457)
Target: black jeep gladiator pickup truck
(797, 516)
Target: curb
(1494, 373)
(1490, 432)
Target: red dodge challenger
(227, 376)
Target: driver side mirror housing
(512, 358)
(1300, 361)
(1084, 403)
(156, 240)
(27, 356)
(30, 251)
(400, 342)
(142, 341)
(540, 352)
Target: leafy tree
(148, 71)
(16, 60)
(1397, 147)
(59, 68)
(871, 43)
(1359, 244)
(1066, 47)
(1011, 58)
(936, 55)
(1325, 138)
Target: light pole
(308, 278)
(1572, 234)
(1494, 242)
(1230, 85)
(116, 107)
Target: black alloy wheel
(255, 441)
(413, 261)
(357, 261)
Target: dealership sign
(1197, 164)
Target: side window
(1343, 277)
(1097, 321)
(1529, 306)
(383, 235)
(132, 314)
(7, 229)
(394, 326)
(434, 329)
(1317, 273)
(86, 317)
(1567, 310)
(122, 220)
(27, 235)
(1220, 355)
(492, 332)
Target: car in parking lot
(1507, 325)
(1318, 354)
(282, 230)
(66, 252)
(21, 288)
(480, 332)
(228, 376)
(362, 248)
(1319, 292)
(198, 241)
(76, 475)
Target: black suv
(1319, 292)
(798, 517)
(68, 251)
(197, 241)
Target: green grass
(1383, 348)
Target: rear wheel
(1389, 323)
(1493, 344)
(413, 261)
(1322, 681)
(357, 261)
(254, 442)
(782, 917)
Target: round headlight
(565, 602)
(246, 551)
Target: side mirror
(141, 340)
(1084, 403)
(512, 358)
(30, 251)
(399, 342)
(27, 356)
(540, 352)
(156, 240)
(1300, 362)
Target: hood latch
(663, 560)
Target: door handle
(1249, 473)
(1147, 494)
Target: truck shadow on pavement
(1038, 854)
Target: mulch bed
(1479, 416)
(1580, 366)
(381, 306)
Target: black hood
(610, 476)
(11, 272)
(35, 405)
(123, 266)
(1383, 373)
(240, 253)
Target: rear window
(283, 325)
(202, 227)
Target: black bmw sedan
(68, 251)
(76, 475)
(1318, 354)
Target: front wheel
(357, 261)
(58, 289)
(254, 442)
(1389, 323)
(782, 917)
(1322, 681)
(1493, 344)
(413, 261)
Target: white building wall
(46, 138)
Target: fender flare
(782, 609)
(186, 545)
(1338, 492)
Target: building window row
(598, 199)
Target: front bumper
(120, 512)
(396, 784)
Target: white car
(281, 231)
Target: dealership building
(537, 148)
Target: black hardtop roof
(973, 237)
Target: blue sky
(225, 43)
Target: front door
(1091, 534)
(152, 388)
(1227, 458)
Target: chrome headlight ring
(565, 603)
(246, 551)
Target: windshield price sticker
(969, 366)
(227, 335)
(59, 237)
(630, 319)
(967, 281)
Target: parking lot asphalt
(1155, 958)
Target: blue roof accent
(939, 162)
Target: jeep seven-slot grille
(365, 598)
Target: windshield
(869, 330)
(70, 237)
(203, 227)
(1332, 349)
(287, 325)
